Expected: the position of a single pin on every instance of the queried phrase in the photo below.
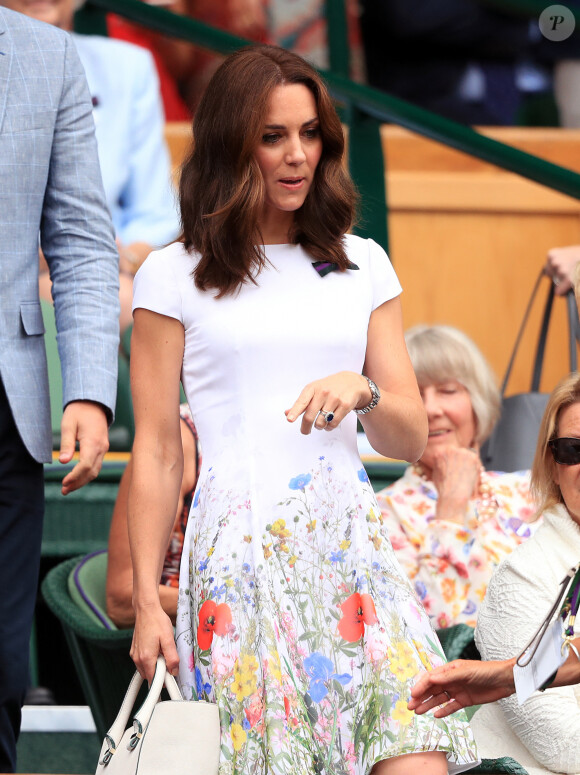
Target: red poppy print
(213, 618)
(357, 610)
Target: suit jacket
(50, 185)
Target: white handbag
(174, 737)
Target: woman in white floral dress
(293, 615)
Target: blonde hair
(442, 353)
(544, 489)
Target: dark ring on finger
(328, 416)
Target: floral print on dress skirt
(305, 632)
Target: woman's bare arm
(119, 568)
(156, 360)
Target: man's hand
(85, 422)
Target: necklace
(486, 504)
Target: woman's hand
(460, 684)
(560, 266)
(153, 636)
(455, 474)
(339, 394)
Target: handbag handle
(142, 717)
(573, 334)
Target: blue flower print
(320, 668)
(246, 725)
(470, 608)
(203, 565)
(363, 476)
(196, 498)
(199, 684)
(421, 590)
(337, 556)
(299, 482)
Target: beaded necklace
(486, 505)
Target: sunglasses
(565, 451)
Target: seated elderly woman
(119, 568)
(450, 521)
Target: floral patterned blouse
(449, 564)
(170, 573)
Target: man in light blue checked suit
(50, 185)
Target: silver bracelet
(375, 397)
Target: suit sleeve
(78, 243)
(148, 201)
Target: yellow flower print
(311, 526)
(401, 713)
(249, 663)
(376, 539)
(238, 736)
(279, 529)
(292, 560)
(403, 664)
(210, 551)
(371, 516)
(404, 651)
(284, 548)
(425, 661)
(267, 551)
(244, 682)
(344, 545)
(238, 687)
(274, 666)
(480, 592)
(229, 582)
(248, 539)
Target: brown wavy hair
(221, 187)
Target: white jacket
(519, 596)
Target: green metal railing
(363, 110)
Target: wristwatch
(375, 397)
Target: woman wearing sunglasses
(518, 598)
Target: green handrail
(364, 110)
(337, 36)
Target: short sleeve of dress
(155, 286)
(385, 282)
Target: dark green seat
(100, 656)
(458, 642)
(122, 431)
(383, 473)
